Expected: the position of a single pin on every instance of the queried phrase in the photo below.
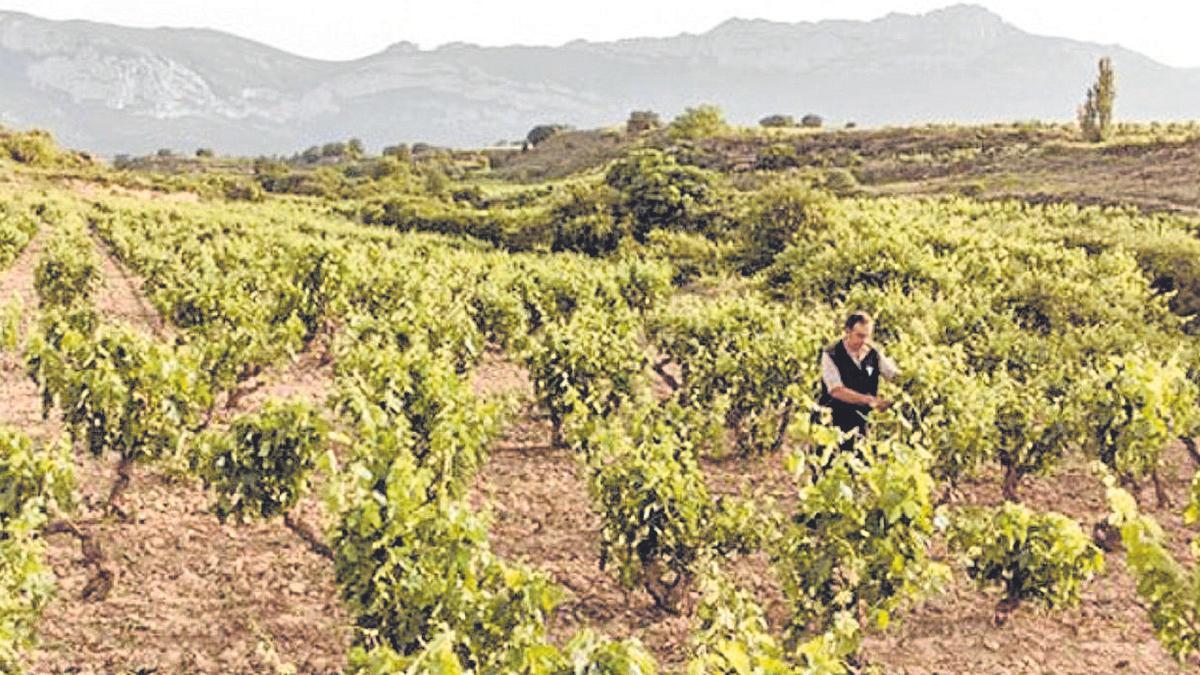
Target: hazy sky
(348, 29)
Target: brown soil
(191, 594)
(307, 377)
(20, 402)
(120, 298)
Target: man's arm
(887, 367)
(848, 395)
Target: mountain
(111, 89)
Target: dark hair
(856, 318)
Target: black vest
(864, 380)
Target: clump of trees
(812, 121)
(777, 121)
(337, 151)
(1096, 113)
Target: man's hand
(880, 404)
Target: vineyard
(570, 427)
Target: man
(850, 372)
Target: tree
(703, 121)
(1096, 113)
(355, 148)
(311, 155)
(401, 152)
(811, 120)
(543, 132)
(777, 121)
(205, 152)
(642, 120)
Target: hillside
(472, 411)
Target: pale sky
(348, 29)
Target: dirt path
(191, 594)
(120, 297)
(20, 402)
(307, 377)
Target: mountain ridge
(112, 89)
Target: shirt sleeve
(887, 367)
(829, 372)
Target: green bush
(776, 157)
(1043, 557)
(261, 465)
(243, 190)
(703, 121)
(659, 193)
(777, 216)
(583, 220)
(34, 148)
(858, 540)
(840, 181)
(658, 520)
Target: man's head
(859, 326)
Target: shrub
(35, 148)
(657, 192)
(840, 181)
(858, 540)
(243, 190)
(658, 520)
(777, 156)
(1044, 557)
(704, 121)
(811, 120)
(776, 216)
(261, 466)
(584, 220)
